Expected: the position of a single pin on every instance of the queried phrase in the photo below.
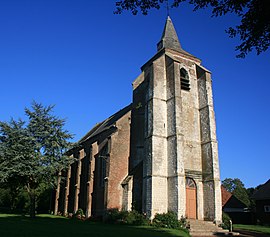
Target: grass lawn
(52, 226)
(254, 228)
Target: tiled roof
(105, 125)
(225, 195)
(229, 200)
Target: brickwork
(118, 162)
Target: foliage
(44, 198)
(79, 214)
(33, 152)
(21, 202)
(254, 29)
(10, 204)
(169, 220)
(54, 226)
(125, 217)
(136, 218)
(250, 192)
(225, 221)
(237, 188)
(6, 205)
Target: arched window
(190, 183)
(184, 80)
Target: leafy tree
(254, 29)
(237, 188)
(250, 192)
(33, 152)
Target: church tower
(173, 152)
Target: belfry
(159, 153)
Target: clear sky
(81, 57)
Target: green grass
(52, 226)
(254, 228)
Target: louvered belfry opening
(184, 80)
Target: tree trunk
(32, 205)
(57, 192)
(32, 196)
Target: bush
(79, 214)
(115, 216)
(136, 218)
(225, 221)
(169, 220)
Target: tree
(254, 29)
(33, 152)
(250, 192)
(237, 188)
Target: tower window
(184, 78)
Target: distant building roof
(230, 201)
(225, 195)
(263, 192)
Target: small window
(184, 80)
(266, 208)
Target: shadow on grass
(51, 226)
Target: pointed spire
(169, 37)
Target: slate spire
(169, 38)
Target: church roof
(170, 45)
(105, 125)
(263, 192)
(169, 38)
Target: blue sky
(81, 57)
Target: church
(157, 154)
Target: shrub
(225, 221)
(169, 220)
(136, 218)
(79, 214)
(115, 216)
(124, 217)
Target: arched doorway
(191, 199)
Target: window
(184, 80)
(266, 208)
(104, 159)
(190, 183)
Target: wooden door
(191, 200)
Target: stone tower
(173, 152)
